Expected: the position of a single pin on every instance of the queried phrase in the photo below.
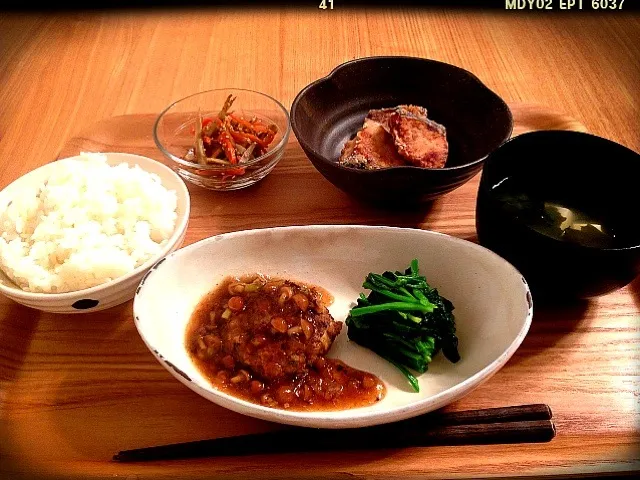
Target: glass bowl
(174, 130)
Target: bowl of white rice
(78, 234)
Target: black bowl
(328, 112)
(587, 173)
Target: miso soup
(552, 216)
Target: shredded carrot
(228, 137)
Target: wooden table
(76, 389)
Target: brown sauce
(265, 340)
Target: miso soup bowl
(595, 175)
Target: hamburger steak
(265, 340)
(281, 331)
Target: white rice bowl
(87, 224)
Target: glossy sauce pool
(264, 340)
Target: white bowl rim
(17, 292)
(359, 417)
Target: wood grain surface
(76, 389)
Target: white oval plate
(493, 308)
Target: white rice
(87, 224)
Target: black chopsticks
(517, 424)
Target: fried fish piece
(382, 115)
(422, 142)
(372, 148)
(397, 136)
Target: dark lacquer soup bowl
(562, 207)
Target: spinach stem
(413, 381)
(388, 293)
(397, 306)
